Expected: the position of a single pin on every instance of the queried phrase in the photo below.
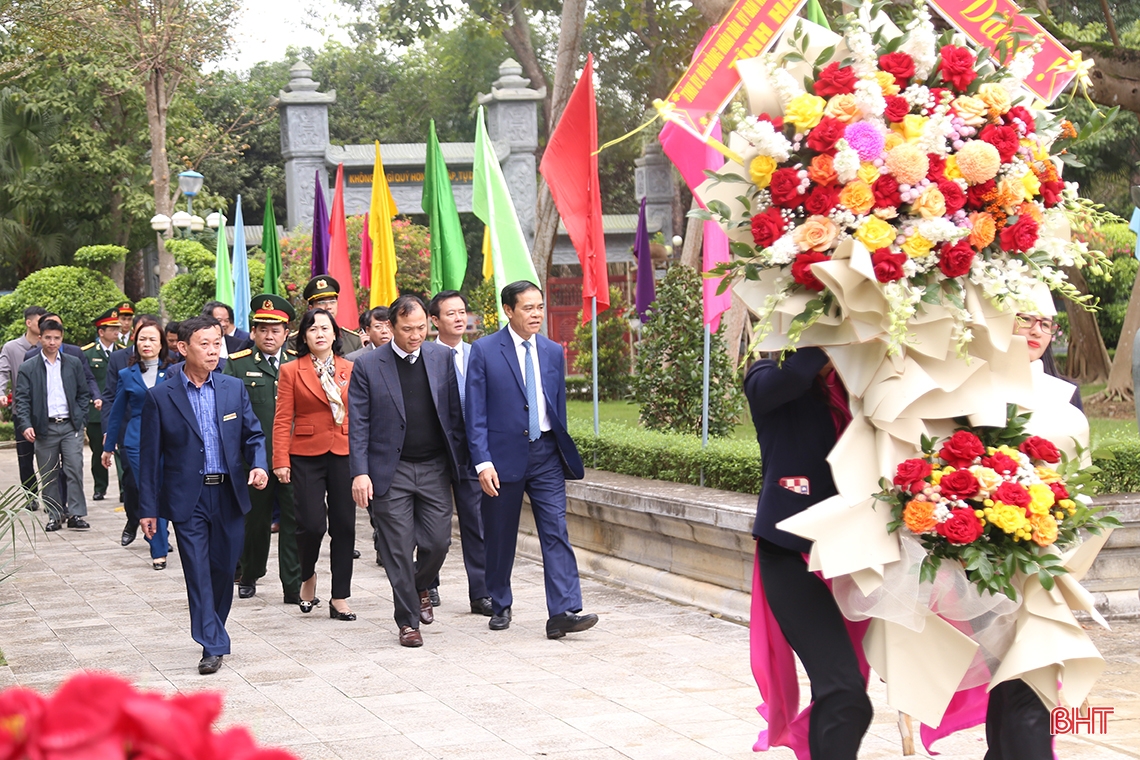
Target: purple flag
(646, 287)
(320, 262)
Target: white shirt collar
(519, 340)
(402, 353)
(58, 354)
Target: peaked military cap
(321, 286)
(270, 309)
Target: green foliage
(485, 304)
(413, 257)
(185, 295)
(100, 257)
(1114, 286)
(56, 290)
(147, 306)
(613, 350)
(7, 431)
(190, 254)
(669, 379)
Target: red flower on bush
(767, 227)
(1051, 192)
(954, 195)
(888, 266)
(1012, 493)
(937, 170)
(899, 65)
(1036, 447)
(785, 188)
(1003, 138)
(835, 80)
(1022, 114)
(1059, 491)
(961, 449)
(911, 475)
(886, 191)
(1001, 464)
(897, 108)
(957, 67)
(823, 137)
(1021, 236)
(976, 194)
(962, 527)
(960, 484)
(821, 200)
(801, 269)
(955, 260)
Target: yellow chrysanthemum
(887, 83)
(1041, 499)
(1010, 518)
(910, 127)
(1032, 184)
(875, 233)
(952, 171)
(917, 246)
(761, 170)
(805, 111)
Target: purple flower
(866, 139)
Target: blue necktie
(462, 382)
(531, 395)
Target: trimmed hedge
(734, 465)
(78, 295)
(7, 431)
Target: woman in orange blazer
(310, 449)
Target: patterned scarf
(326, 371)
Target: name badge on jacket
(230, 416)
(797, 485)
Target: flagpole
(594, 355)
(705, 398)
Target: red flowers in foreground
(961, 449)
(100, 716)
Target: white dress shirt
(404, 354)
(56, 396)
(460, 356)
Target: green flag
(814, 13)
(448, 250)
(272, 249)
(223, 280)
(491, 202)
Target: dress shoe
(98, 496)
(569, 622)
(336, 614)
(53, 525)
(482, 606)
(433, 595)
(500, 622)
(427, 614)
(128, 537)
(33, 506)
(307, 606)
(356, 554)
(246, 590)
(78, 523)
(410, 637)
(209, 664)
(159, 564)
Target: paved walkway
(653, 680)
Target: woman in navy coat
(146, 367)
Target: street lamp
(197, 223)
(190, 183)
(182, 220)
(215, 220)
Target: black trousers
(813, 625)
(1017, 724)
(129, 484)
(26, 456)
(313, 479)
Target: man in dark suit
(51, 411)
(515, 408)
(234, 339)
(198, 436)
(98, 352)
(406, 447)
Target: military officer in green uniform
(258, 368)
(321, 293)
(126, 319)
(106, 341)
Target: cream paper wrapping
(895, 400)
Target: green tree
(669, 382)
(613, 349)
(55, 289)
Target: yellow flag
(380, 213)
(488, 258)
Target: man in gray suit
(51, 411)
(407, 445)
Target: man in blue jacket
(198, 436)
(515, 412)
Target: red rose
(767, 227)
(897, 108)
(937, 170)
(888, 266)
(1022, 114)
(775, 121)
(911, 475)
(962, 527)
(960, 484)
(1021, 236)
(1001, 464)
(957, 67)
(886, 191)
(835, 80)
(1003, 138)
(801, 269)
(954, 195)
(785, 188)
(956, 260)
(823, 137)
(900, 65)
(961, 449)
(821, 200)
(1012, 493)
(974, 195)
(1059, 491)
(1036, 447)
(1051, 192)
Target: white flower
(846, 162)
(764, 137)
(922, 42)
(783, 251)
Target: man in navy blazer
(515, 411)
(198, 436)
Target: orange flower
(1067, 129)
(919, 516)
(1044, 529)
(817, 233)
(822, 170)
(1010, 194)
(857, 197)
(931, 204)
(978, 161)
(1031, 210)
(907, 163)
(842, 107)
(984, 230)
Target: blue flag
(241, 273)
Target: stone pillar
(304, 139)
(512, 119)
(653, 181)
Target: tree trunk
(712, 10)
(517, 35)
(1120, 377)
(1088, 358)
(691, 249)
(566, 66)
(156, 106)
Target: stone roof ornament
(302, 90)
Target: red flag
(571, 171)
(365, 256)
(340, 269)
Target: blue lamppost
(190, 183)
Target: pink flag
(365, 256)
(347, 314)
